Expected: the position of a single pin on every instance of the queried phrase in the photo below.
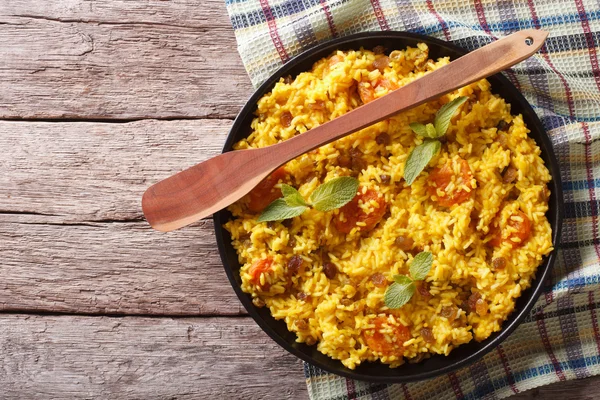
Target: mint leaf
(431, 132)
(292, 197)
(444, 115)
(280, 210)
(421, 265)
(398, 294)
(334, 193)
(419, 129)
(419, 158)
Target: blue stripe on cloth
(570, 332)
(581, 185)
(580, 281)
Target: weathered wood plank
(71, 357)
(72, 237)
(59, 357)
(86, 59)
(97, 171)
(114, 268)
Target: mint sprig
(292, 197)
(400, 292)
(280, 210)
(332, 194)
(423, 153)
(403, 288)
(419, 158)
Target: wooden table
(99, 99)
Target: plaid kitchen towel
(560, 340)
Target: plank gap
(47, 313)
(112, 120)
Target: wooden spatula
(216, 183)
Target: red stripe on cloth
(351, 389)
(587, 32)
(541, 324)
(481, 16)
(440, 19)
(544, 51)
(380, 16)
(590, 177)
(592, 304)
(455, 385)
(509, 375)
(273, 30)
(549, 297)
(329, 17)
(406, 392)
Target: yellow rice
(338, 314)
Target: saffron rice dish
(479, 207)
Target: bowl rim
(537, 286)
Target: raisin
(378, 279)
(423, 289)
(345, 161)
(381, 62)
(385, 178)
(449, 312)
(358, 164)
(302, 296)
(427, 335)
(473, 299)
(502, 125)
(383, 138)
(499, 263)
(244, 236)
(509, 175)
(404, 243)
(286, 119)
(294, 264)
(330, 270)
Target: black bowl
(436, 365)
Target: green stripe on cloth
(560, 340)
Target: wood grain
(71, 234)
(70, 357)
(119, 60)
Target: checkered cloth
(560, 340)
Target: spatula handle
(483, 62)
